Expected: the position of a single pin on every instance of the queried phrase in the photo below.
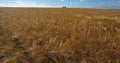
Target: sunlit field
(66, 35)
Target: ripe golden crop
(36, 35)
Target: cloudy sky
(107, 4)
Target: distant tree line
(64, 7)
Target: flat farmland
(59, 35)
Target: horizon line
(62, 7)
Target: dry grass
(59, 36)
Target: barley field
(54, 35)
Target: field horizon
(57, 8)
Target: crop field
(59, 35)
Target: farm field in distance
(59, 35)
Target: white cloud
(81, 0)
(21, 4)
(61, 0)
(109, 5)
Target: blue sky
(107, 4)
